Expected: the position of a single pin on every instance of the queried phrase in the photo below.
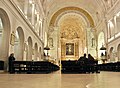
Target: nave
(36, 31)
(58, 80)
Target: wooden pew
(110, 67)
(1, 65)
(79, 66)
(32, 67)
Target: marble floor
(57, 80)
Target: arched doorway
(36, 52)
(112, 59)
(30, 49)
(101, 41)
(40, 57)
(19, 44)
(118, 52)
(68, 28)
(1, 32)
(4, 35)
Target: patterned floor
(57, 80)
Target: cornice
(114, 40)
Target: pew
(79, 66)
(32, 67)
(110, 67)
(1, 65)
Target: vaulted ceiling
(95, 8)
(73, 15)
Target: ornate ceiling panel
(90, 6)
(71, 27)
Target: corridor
(57, 80)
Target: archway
(4, 35)
(30, 49)
(1, 32)
(68, 27)
(19, 44)
(118, 52)
(36, 52)
(111, 55)
(101, 41)
(72, 36)
(40, 57)
(71, 9)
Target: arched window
(30, 49)
(19, 44)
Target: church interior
(47, 43)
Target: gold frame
(69, 49)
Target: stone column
(33, 14)
(26, 7)
(115, 26)
(87, 36)
(41, 29)
(37, 24)
(109, 31)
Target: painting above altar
(69, 48)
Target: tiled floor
(57, 80)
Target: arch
(30, 49)
(118, 52)
(111, 54)
(85, 13)
(19, 44)
(56, 24)
(46, 37)
(101, 41)
(26, 51)
(1, 31)
(36, 52)
(40, 57)
(4, 47)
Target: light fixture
(46, 48)
(103, 54)
(102, 48)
